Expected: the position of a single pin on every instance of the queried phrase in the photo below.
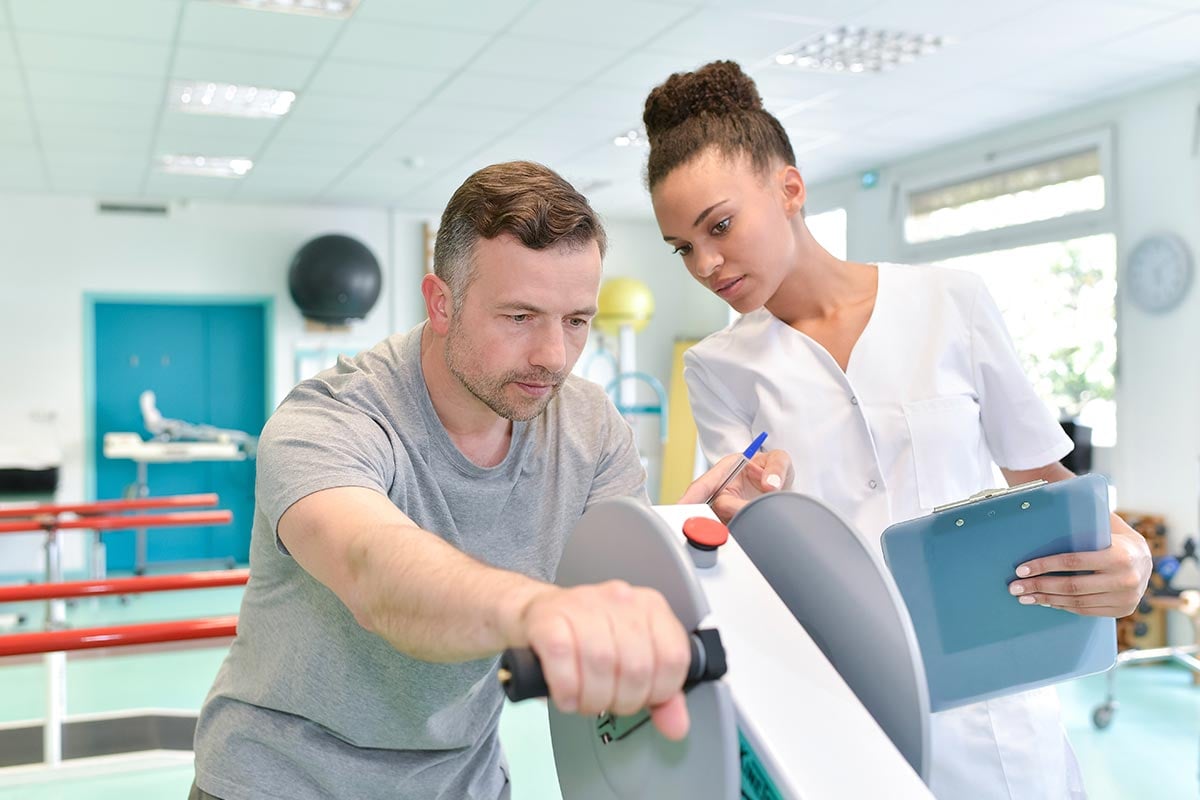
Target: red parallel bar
(177, 519)
(21, 644)
(153, 583)
(20, 510)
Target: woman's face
(730, 224)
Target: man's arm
(604, 647)
(1119, 574)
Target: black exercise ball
(334, 279)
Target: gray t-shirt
(308, 704)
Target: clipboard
(953, 568)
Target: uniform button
(853, 401)
(873, 484)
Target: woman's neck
(820, 285)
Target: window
(1046, 190)
(829, 229)
(1059, 302)
(1036, 223)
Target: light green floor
(1150, 751)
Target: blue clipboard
(953, 568)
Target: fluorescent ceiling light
(337, 9)
(228, 99)
(856, 50)
(205, 166)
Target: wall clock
(1159, 272)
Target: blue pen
(749, 453)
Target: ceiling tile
(348, 110)
(470, 15)
(446, 116)
(498, 91)
(407, 45)
(375, 80)
(88, 54)
(288, 175)
(398, 167)
(218, 127)
(609, 108)
(21, 170)
(8, 56)
(317, 153)
(10, 84)
(645, 69)
(830, 11)
(1080, 75)
(775, 80)
(1061, 27)
(17, 156)
(427, 144)
(17, 133)
(735, 35)
(267, 70)
(99, 140)
(608, 162)
(94, 87)
(166, 186)
(616, 23)
(132, 19)
(1174, 41)
(13, 110)
(343, 133)
(54, 114)
(1179, 5)
(369, 180)
(515, 148)
(91, 174)
(535, 58)
(229, 27)
(179, 142)
(940, 17)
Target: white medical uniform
(932, 398)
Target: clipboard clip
(988, 494)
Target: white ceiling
(400, 102)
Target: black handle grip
(522, 678)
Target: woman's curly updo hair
(715, 106)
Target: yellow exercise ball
(624, 301)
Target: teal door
(206, 364)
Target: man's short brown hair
(529, 201)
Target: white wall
(1155, 464)
(56, 250)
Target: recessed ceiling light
(337, 9)
(857, 50)
(205, 166)
(228, 99)
(630, 138)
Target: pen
(750, 452)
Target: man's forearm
(425, 597)
(431, 601)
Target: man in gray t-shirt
(412, 506)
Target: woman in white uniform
(893, 389)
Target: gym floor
(1151, 749)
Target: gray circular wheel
(1102, 716)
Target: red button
(705, 533)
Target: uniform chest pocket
(946, 437)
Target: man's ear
(439, 303)
(794, 193)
